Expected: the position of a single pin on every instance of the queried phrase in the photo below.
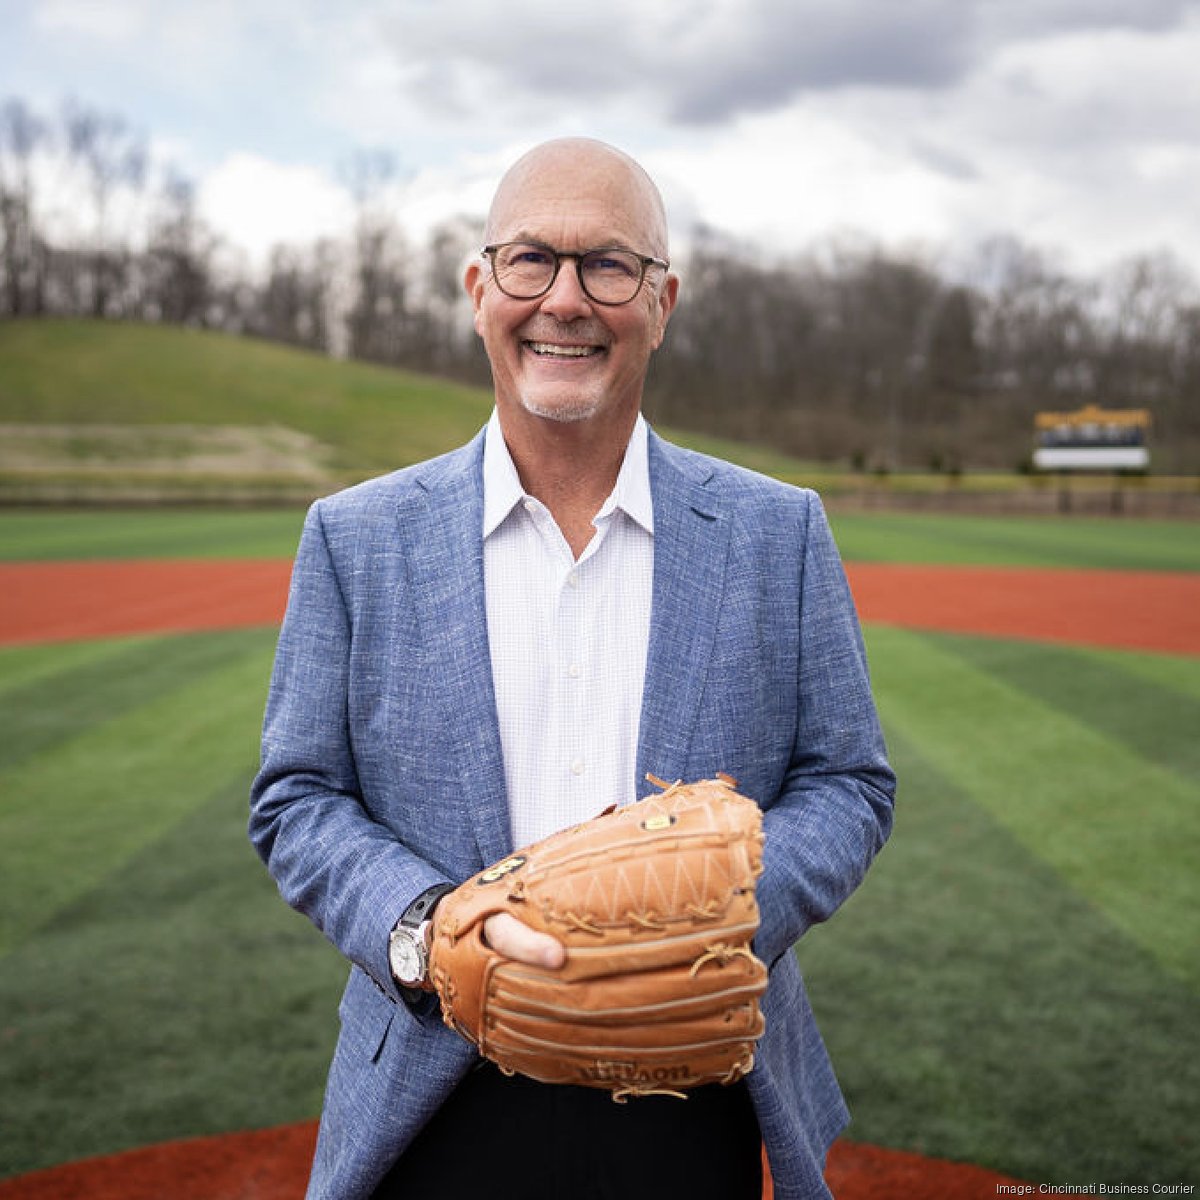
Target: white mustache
(575, 332)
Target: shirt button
(574, 671)
(573, 579)
(577, 766)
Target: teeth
(553, 351)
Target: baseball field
(1016, 988)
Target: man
(501, 642)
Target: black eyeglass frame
(645, 262)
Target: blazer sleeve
(834, 810)
(330, 858)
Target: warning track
(1141, 610)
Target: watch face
(406, 959)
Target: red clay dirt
(1137, 610)
(272, 1164)
(59, 601)
(46, 602)
(1159, 611)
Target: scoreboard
(1092, 439)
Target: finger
(508, 936)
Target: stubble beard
(566, 411)
(566, 406)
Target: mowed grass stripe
(28, 665)
(1179, 674)
(1115, 692)
(980, 1009)
(177, 997)
(52, 536)
(1122, 830)
(863, 537)
(78, 810)
(1077, 542)
(86, 690)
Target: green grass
(1119, 827)
(152, 984)
(1017, 984)
(35, 535)
(373, 418)
(892, 537)
(1004, 990)
(367, 419)
(78, 810)
(977, 1008)
(1086, 542)
(178, 997)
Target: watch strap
(423, 905)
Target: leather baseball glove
(655, 905)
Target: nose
(566, 300)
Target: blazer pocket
(366, 1014)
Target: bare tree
(1149, 347)
(23, 254)
(848, 352)
(111, 157)
(177, 267)
(293, 306)
(452, 346)
(378, 318)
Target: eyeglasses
(608, 275)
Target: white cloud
(257, 203)
(109, 22)
(1082, 143)
(690, 63)
(1066, 122)
(1085, 141)
(787, 179)
(1070, 123)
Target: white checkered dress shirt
(568, 641)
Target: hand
(508, 936)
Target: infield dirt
(1141, 610)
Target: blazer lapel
(691, 545)
(445, 541)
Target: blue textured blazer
(382, 772)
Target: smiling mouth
(556, 350)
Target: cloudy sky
(1074, 124)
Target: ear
(473, 278)
(666, 305)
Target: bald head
(600, 176)
(561, 357)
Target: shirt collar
(631, 493)
(502, 490)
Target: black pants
(509, 1138)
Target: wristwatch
(408, 946)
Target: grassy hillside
(371, 418)
(366, 419)
(113, 412)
